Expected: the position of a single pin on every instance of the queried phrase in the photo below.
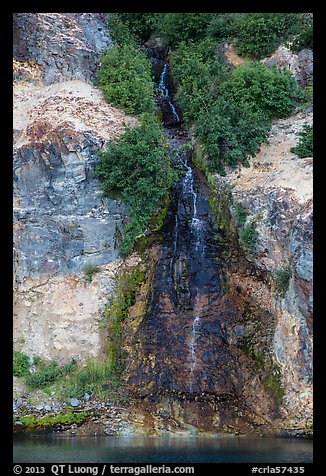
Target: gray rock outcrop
(65, 45)
(62, 223)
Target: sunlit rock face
(65, 45)
(62, 224)
(277, 189)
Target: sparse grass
(304, 148)
(34, 422)
(89, 272)
(281, 281)
(90, 379)
(20, 364)
(126, 289)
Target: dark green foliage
(230, 134)
(224, 26)
(304, 39)
(198, 70)
(137, 166)
(141, 25)
(20, 364)
(305, 146)
(248, 235)
(281, 281)
(262, 89)
(89, 271)
(47, 373)
(125, 79)
(231, 111)
(177, 27)
(308, 93)
(260, 34)
(119, 30)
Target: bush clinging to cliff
(125, 79)
(137, 166)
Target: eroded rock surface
(62, 224)
(277, 192)
(65, 45)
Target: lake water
(162, 450)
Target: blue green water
(134, 449)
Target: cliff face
(61, 222)
(65, 45)
(277, 192)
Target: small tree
(305, 146)
(125, 79)
(137, 166)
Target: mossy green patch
(116, 312)
(34, 422)
(20, 364)
(282, 281)
(272, 382)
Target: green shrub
(177, 27)
(47, 373)
(137, 166)
(249, 235)
(127, 286)
(264, 90)
(231, 110)
(230, 134)
(224, 26)
(305, 146)
(281, 281)
(241, 214)
(125, 79)
(20, 364)
(198, 70)
(89, 271)
(304, 39)
(308, 93)
(141, 25)
(119, 30)
(260, 34)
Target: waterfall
(196, 224)
(181, 326)
(165, 95)
(192, 347)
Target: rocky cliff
(259, 340)
(61, 222)
(277, 193)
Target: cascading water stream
(180, 346)
(195, 223)
(192, 346)
(164, 94)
